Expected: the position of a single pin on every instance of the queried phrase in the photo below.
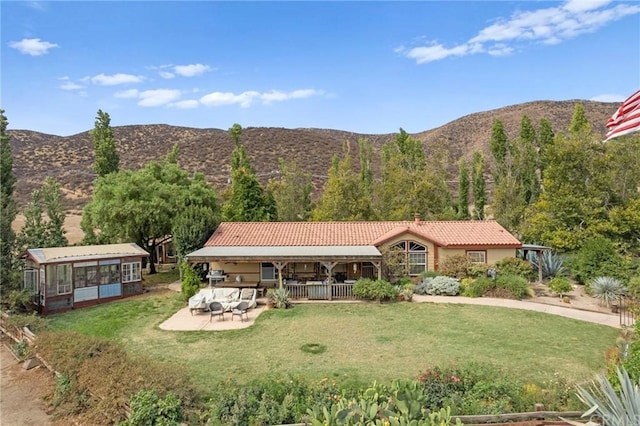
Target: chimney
(416, 217)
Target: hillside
(69, 159)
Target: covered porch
(311, 273)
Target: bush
(607, 289)
(442, 285)
(599, 257)
(456, 266)
(633, 287)
(560, 285)
(279, 297)
(514, 266)
(369, 289)
(19, 301)
(147, 408)
(504, 286)
(552, 264)
(190, 282)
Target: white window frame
(31, 283)
(409, 264)
(482, 253)
(65, 284)
(264, 267)
(131, 272)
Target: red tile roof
(484, 233)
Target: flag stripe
(631, 103)
(630, 124)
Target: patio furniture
(216, 308)
(200, 300)
(240, 310)
(249, 295)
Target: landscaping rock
(30, 363)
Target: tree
(499, 148)
(545, 140)
(479, 185)
(292, 192)
(107, 159)
(463, 190)
(7, 206)
(527, 161)
(247, 200)
(366, 173)
(39, 231)
(343, 197)
(141, 205)
(411, 183)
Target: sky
(364, 67)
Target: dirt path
(21, 392)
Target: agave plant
(607, 289)
(552, 263)
(613, 408)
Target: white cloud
(608, 97)
(191, 70)
(32, 46)
(115, 79)
(551, 25)
(187, 104)
(70, 85)
(127, 94)
(158, 97)
(245, 99)
(166, 75)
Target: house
(64, 278)
(258, 253)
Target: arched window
(416, 256)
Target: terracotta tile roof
(443, 233)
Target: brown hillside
(69, 159)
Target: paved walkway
(183, 320)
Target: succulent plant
(607, 289)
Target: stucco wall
(493, 255)
(250, 272)
(409, 237)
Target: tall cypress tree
(479, 185)
(7, 206)
(107, 159)
(463, 190)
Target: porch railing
(335, 291)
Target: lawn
(364, 342)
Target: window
(477, 256)
(416, 256)
(131, 272)
(109, 274)
(267, 272)
(59, 279)
(31, 280)
(85, 274)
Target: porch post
(540, 265)
(279, 266)
(378, 266)
(329, 266)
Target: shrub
(478, 270)
(598, 256)
(552, 264)
(478, 287)
(19, 301)
(442, 285)
(607, 289)
(504, 286)
(514, 266)
(190, 282)
(147, 408)
(279, 297)
(518, 286)
(633, 286)
(429, 274)
(454, 266)
(379, 290)
(560, 285)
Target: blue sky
(366, 67)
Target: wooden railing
(335, 291)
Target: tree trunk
(152, 257)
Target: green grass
(364, 342)
(164, 276)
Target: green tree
(545, 140)
(40, 231)
(292, 192)
(107, 159)
(527, 161)
(366, 173)
(463, 190)
(479, 185)
(499, 148)
(343, 197)
(7, 208)
(579, 123)
(247, 200)
(141, 205)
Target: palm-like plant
(607, 289)
(552, 263)
(613, 408)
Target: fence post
(539, 407)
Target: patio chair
(239, 310)
(216, 308)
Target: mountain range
(69, 159)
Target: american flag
(626, 119)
